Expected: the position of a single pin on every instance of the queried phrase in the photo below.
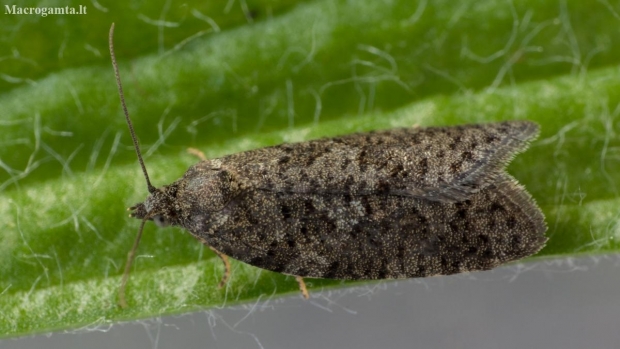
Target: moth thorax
(210, 189)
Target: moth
(392, 204)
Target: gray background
(570, 303)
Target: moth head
(159, 207)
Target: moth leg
(197, 153)
(224, 259)
(302, 287)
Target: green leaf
(274, 72)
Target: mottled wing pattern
(444, 164)
(342, 236)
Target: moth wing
(445, 164)
(379, 237)
(477, 157)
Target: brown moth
(391, 204)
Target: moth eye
(161, 221)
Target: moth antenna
(130, 257)
(120, 93)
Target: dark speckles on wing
(442, 164)
(390, 204)
(374, 237)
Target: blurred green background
(227, 76)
